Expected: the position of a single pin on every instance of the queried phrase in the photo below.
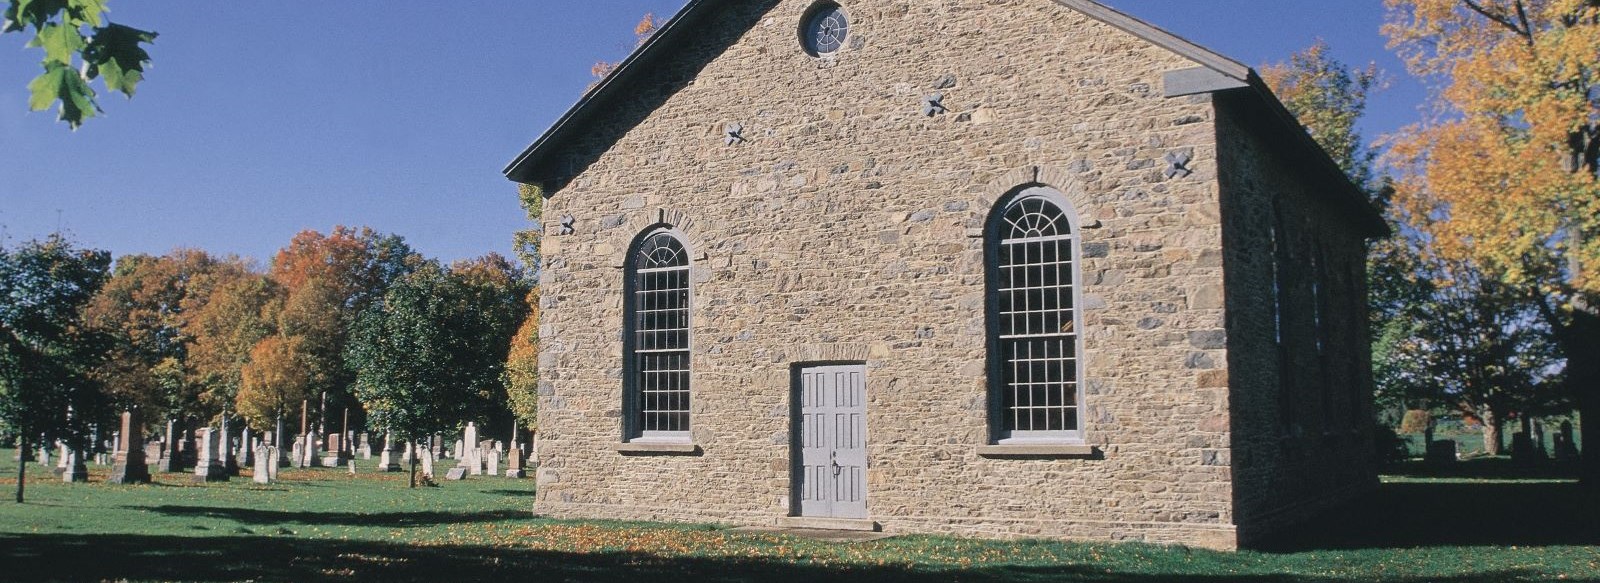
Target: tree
(432, 354)
(1505, 176)
(45, 351)
(273, 380)
(1329, 98)
(1481, 346)
(225, 327)
(144, 308)
(79, 45)
(328, 280)
(522, 360)
(522, 366)
(642, 32)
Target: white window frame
(633, 390)
(998, 383)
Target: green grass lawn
(1496, 524)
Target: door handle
(833, 459)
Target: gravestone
(313, 441)
(335, 456)
(247, 451)
(387, 460)
(1442, 451)
(43, 456)
(130, 466)
(225, 450)
(298, 457)
(74, 470)
(207, 466)
(366, 446)
(61, 458)
(455, 453)
(272, 469)
(491, 462)
(456, 473)
(352, 465)
(436, 447)
(263, 466)
(1523, 450)
(472, 453)
(169, 450)
(1566, 448)
(514, 463)
(427, 465)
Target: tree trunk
(413, 470)
(1493, 430)
(22, 464)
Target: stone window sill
(1040, 450)
(657, 448)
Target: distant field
(1478, 522)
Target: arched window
(1033, 321)
(656, 341)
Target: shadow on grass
(387, 519)
(62, 557)
(1453, 510)
(519, 493)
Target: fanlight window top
(1035, 218)
(662, 251)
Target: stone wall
(1302, 430)
(848, 228)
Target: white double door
(831, 474)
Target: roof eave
(522, 168)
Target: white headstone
(427, 465)
(264, 465)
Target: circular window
(824, 29)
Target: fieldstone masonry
(846, 225)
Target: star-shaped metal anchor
(735, 134)
(933, 105)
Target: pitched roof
(1217, 73)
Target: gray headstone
(456, 473)
(208, 466)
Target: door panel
(832, 472)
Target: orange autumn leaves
(1503, 174)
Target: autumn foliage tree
(144, 308)
(1329, 98)
(328, 280)
(225, 327)
(274, 381)
(642, 32)
(1505, 175)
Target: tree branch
(1503, 20)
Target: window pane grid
(1036, 320)
(660, 322)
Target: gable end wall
(847, 228)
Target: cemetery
(325, 524)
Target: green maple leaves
(70, 31)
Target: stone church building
(1002, 268)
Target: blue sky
(261, 119)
